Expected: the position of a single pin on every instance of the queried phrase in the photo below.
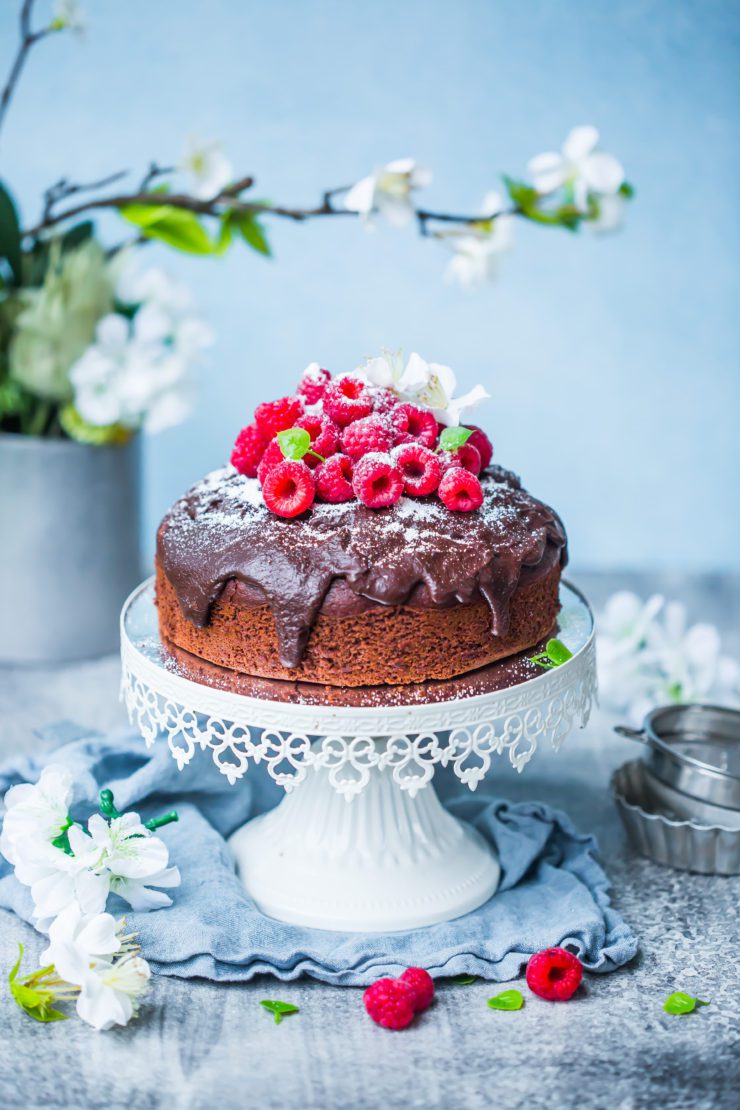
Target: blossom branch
(28, 39)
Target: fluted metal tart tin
(684, 845)
(694, 750)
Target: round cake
(353, 592)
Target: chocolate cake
(360, 538)
(348, 595)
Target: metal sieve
(695, 751)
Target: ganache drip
(415, 552)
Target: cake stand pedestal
(394, 858)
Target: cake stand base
(382, 862)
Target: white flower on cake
(387, 192)
(428, 383)
(90, 953)
(477, 248)
(579, 166)
(210, 169)
(137, 372)
(648, 656)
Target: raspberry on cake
(382, 562)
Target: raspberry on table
(248, 450)
(421, 984)
(369, 433)
(554, 974)
(275, 416)
(482, 444)
(467, 456)
(313, 383)
(390, 1003)
(413, 423)
(324, 437)
(420, 468)
(334, 479)
(377, 481)
(271, 456)
(347, 399)
(460, 490)
(289, 488)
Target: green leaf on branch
(680, 1003)
(10, 235)
(452, 438)
(554, 655)
(279, 1009)
(176, 227)
(524, 196)
(507, 1000)
(252, 232)
(529, 202)
(627, 190)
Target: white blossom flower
(611, 211)
(478, 248)
(137, 373)
(208, 165)
(387, 192)
(648, 657)
(126, 855)
(36, 813)
(579, 166)
(90, 953)
(428, 383)
(68, 16)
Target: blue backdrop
(612, 362)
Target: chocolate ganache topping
(339, 558)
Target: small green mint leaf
(681, 1003)
(452, 438)
(294, 442)
(507, 1000)
(463, 980)
(557, 652)
(278, 1009)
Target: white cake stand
(395, 858)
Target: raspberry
(370, 433)
(313, 383)
(271, 457)
(420, 468)
(377, 482)
(248, 450)
(347, 399)
(324, 437)
(390, 1003)
(460, 490)
(421, 984)
(412, 422)
(383, 399)
(275, 416)
(482, 444)
(334, 479)
(554, 974)
(289, 488)
(466, 456)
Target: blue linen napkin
(552, 890)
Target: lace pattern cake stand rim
(395, 859)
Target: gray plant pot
(69, 546)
